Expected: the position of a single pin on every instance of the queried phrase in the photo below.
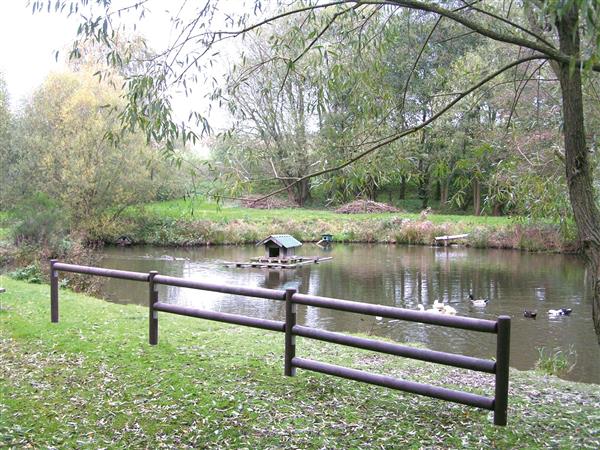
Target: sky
(30, 41)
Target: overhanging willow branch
(411, 130)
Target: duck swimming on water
(530, 314)
(479, 301)
(443, 308)
(560, 312)
(440, 308)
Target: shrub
(40, 221)
(30, 274)
(416, 232)
(479, 237)
(556, 362)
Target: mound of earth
(365, 206)
(268, 203)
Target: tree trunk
(423, 189)
(402, 187)
(476, 197)
(301, 192)
(444, 193)
(577, 165)
(497, 209)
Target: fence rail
(500, 327)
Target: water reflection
(395, 276)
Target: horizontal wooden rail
(102, 272)
(501, 327)
(272, 325)
(272, 294)
(466, 323)
(449, 359)
(464, 398)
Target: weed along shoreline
(176, 223)
(92, 380)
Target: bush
(556, 362)
(30, 274)
(40, 221)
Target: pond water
(401, 276)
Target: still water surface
(401, 276)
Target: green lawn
(92, 381)
(203, 210)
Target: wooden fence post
(53, 292)
(290, 339)
(502, 366)
(152, 313)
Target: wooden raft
(279, 263)
(450, 238)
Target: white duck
(478, 302)
(559, 312)
(440, 308)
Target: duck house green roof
(281, 240)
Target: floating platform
(450, 238)
(279, 263)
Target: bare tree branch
(411, 130)
(512, 24)
(520, 90)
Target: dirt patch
(268, 203)
(365, 206)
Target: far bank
(180, 223)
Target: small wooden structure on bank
(450, 238)
(326, 240)
(279, 253)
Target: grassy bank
(93, 381)
(200, 223)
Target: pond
(401, 276)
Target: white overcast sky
(29, 42)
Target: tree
(5, 142)
(60, 151)
(272, 108)
(531, 31)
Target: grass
(92, 381)
(188, 223)
(198, 222)
(556, 362)
(203, 210)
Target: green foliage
(60, 152)
(6, 125)
(40, 221)
(30, 274)
(556, 361)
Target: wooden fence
(500, 327)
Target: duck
(560, 312)
(439, 308)
(449, 310)
(443, 308)
(479, 301)
(530, 314)
(430, 310)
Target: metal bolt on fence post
(53, 292)
(502, 366)
(290, 339)
(152, 313)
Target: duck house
(326, 240)
(280, 246)
(280, 252)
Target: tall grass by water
(198, 222)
